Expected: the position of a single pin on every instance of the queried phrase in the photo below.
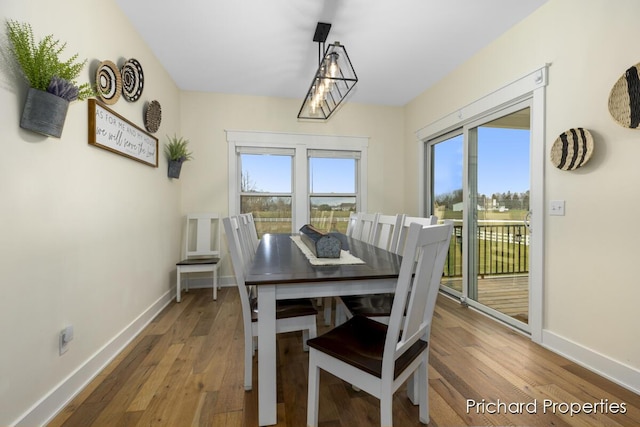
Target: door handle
(527, 220)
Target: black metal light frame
(327, 91)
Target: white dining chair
(201, 251)
(291, 315)
(379, 358)
(386, 231)
(377, 307)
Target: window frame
(301, 144)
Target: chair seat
(199, 261)
(286, 308)
(369, 305)
(359, 342)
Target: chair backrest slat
(351, 225)
(202, 235)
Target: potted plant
(52, 81)
(177, 152)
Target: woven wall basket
(624, 99)
(572, 149)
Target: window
(333, 188)
(266, 185)
(289, 180)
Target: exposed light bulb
(333, 64)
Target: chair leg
(340, 315)
(308, 334)
(305, 338)
(413, 391)
(178, 284)
(215, 284)
(313, 393)
(423, 386)
(327, 311)
(248, 361)
(386, 409)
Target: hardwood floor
(185, 369)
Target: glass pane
(332, 175)
(271, 214)
(331, 213)
(262, 173)
(500, 202)
(447, 202)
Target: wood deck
(186, 368)
(507, 294)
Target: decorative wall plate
(108, 82)
(624, 99)
(153, 116)
(572, 149)
(132, 80)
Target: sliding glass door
(480, 179)
(499, 193)
(447, 200)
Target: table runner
(345, 257)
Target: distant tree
(247, 185)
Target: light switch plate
(556, 207)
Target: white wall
(590, 283)
(88, 237)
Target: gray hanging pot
(174, 168)
(44, 113)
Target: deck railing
(501, 249)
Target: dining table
(281, 270)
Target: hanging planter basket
(44, 113)
(174, 168)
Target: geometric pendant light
(333, 80)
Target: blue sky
(503, 165)
(273, 174)
(503, 162)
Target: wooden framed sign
(111, 131)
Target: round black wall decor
(572, 149)
(153, 117)
(132, 80)
(108, 82)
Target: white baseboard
(200, 283)
(48, 407)
(619, 373)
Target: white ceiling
(265, 47)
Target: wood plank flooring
(185, 369)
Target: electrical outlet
(556, 207)
(65, 337)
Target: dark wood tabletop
(279, 260)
